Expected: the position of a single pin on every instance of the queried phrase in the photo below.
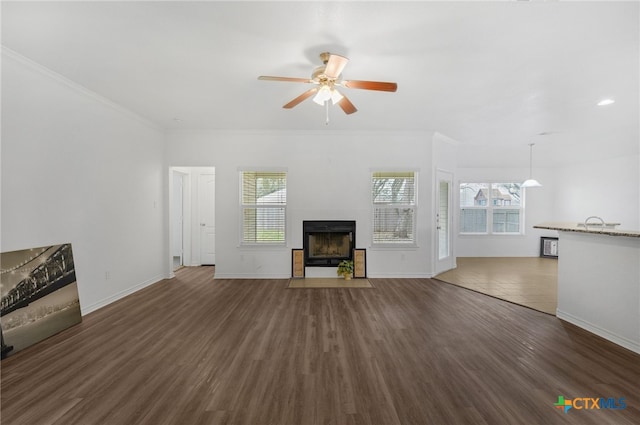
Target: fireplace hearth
(328, 242)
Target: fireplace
(326, 243)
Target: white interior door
(444, 201)
(206, 217)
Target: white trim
(242, 207)
(391, 246)
(364, 134)
(414, 222)
(119, 295)
(415, 170)
(262, 169)
(261, 276)
(449, 177)
(77, 87)
(489, 208)
(396, 275)
(595, 329)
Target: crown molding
(41, 69)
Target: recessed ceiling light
(605, 102)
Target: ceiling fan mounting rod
(324, 57)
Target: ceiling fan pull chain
(326, 106)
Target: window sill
(262, 245)
(465, 235)
(386, 246)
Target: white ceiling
(491, 75)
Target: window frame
(489, 207)
(379, 206)
(263, 206)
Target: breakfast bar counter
(599, 280)
(592, 228)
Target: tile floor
(528, 281)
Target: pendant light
(530, 182)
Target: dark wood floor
(194, 350)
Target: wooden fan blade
(347, 106)
(300, 98)
(335, 65)
(370, 85)
(287, 79)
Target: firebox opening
(326, 243)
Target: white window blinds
(491, 208)
(263, 206)
(394, 207)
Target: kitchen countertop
(592, 229)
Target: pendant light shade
(531, 182)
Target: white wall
(539, 208)
(78, 169)
(329, 177)
(608, 188)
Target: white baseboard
(84, 310)
(604, 333)
(400, 275)
(250, 276)
(281, 276)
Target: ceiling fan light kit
(326, 93)
(327, 79)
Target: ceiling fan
(327, 79)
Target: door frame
(449, 262)
(177, 174)
(186, 217)
(191, 226)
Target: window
(263, 207)
(491, 208)
(394, 207)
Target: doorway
(444, 258)
(192, 216)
